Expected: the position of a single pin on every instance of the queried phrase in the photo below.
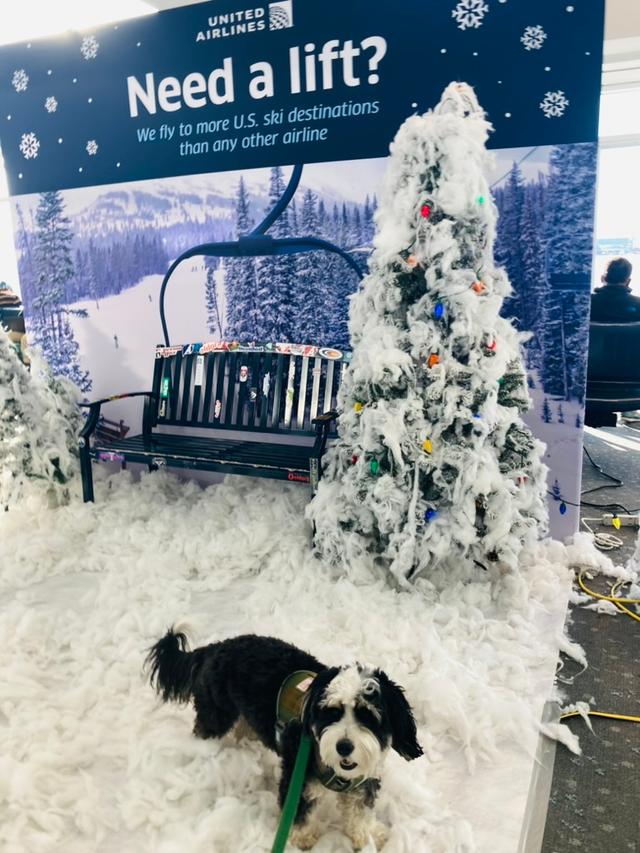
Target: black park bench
(228, 408)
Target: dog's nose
(344, 747)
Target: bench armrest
(119, 397)
(94, 411)
(326, 418)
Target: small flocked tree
(434, 467)
(39, 426)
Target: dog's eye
(328, 716)
(366, 716)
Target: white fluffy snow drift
(90, 760)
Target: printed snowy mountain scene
(91, 261)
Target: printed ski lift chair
(208, 386)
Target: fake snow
(89, 758)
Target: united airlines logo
(281, 15)
(277, 16)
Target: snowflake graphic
(20, 80)
(51, 105)
(554, 104)
(533, 38)
(92, 147)
(470, 13)
(29, 145)
(89, 47)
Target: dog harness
(292, 698)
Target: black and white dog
(353, 714)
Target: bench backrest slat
(302, 393)
(208, 380)
(256, 389)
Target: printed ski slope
(563, 455)
(91, 761)
(134, 317)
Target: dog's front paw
(304, 837)
(380, 835)
(359, 838)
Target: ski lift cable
(519, 163)
(258, 244)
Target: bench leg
(314, 474)
(85, 470)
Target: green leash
(293, 795)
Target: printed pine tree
(240, 279)
(215, 321)
(509, 245)
(49, 324)
(39, 426)
(312, 312)
(533, 285)
(569, 199)
(276, 277)
(434, 468)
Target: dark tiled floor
(595, 798)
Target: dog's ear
(404, 737)
(316, 692)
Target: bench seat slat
(188, 447)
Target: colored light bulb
(433, 360)
(430, 514)
(358, 407)
(374, 466)
(563, 508)
(438, 311)
(354, 459)
(427, 446)
(425, 211)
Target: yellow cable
(620, 605)
(626, 717)
(619, 602)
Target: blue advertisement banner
(219, 86)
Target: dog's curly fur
(354, 715)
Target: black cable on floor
(617, 482)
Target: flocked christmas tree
(434, 467)
(39, 426)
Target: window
(618, 214)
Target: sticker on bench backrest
(110, 456)
(280, 347)
(199, 370)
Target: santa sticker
(244, 373)
(217, 409)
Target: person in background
(614, 302)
